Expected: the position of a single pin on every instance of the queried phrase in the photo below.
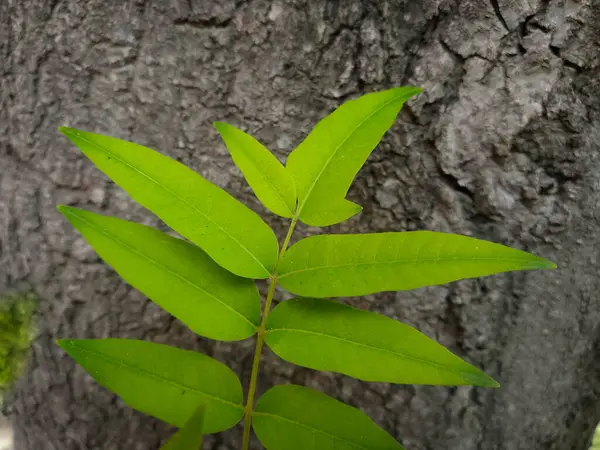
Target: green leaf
(165, 382)
(290, 417)
(233, 235)
(325, 163)
(359, 264)
(175, 274)
(326, 335)
(270, 181)
(190, 436)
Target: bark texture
(503, 145)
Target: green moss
(16, 332)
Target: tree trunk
(503, 145)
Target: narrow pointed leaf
(190, 436)
(268, 178)
(291, 417)
(165, 382)
(175, 274)
(325, 163)
(326, 335)
(232, 234)
(359, 264)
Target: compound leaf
(175, 274)
(268, 178)
(165, 382)
(190, 436)
(326, 335)
(325, 163)
(290, 417)
(359, 264)
(232, 234)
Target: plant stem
(260, 339)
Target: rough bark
(503, 145)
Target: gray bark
(503, 145)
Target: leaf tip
(220, 126)
(488, 382)
(66, 210)
(480, 379)
(67, 131)
(354, 209)
(408, 92)
(542, 263)
(63, 343)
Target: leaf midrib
(403, 262)
(372, 347)
(317, 178)
(121, 364)
(181, 199)
(312, 428)
(159, 265)
(266, 178)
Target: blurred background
(502, 145)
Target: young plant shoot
(207, 282)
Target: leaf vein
(403, 261)
(176, 196)
(268, 181)
(372, 347)
(154, 376)
(159, 265)
(318, 177)
(309, 427)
